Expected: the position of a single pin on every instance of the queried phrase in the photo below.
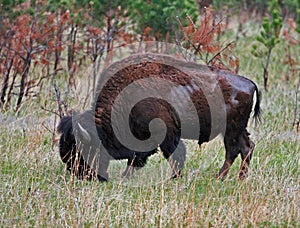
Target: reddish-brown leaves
(203, 39)
(289, 33)
(292, 38)
(46, 39)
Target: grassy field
(36, 190)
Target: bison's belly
(183, 122)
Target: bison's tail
(257, 109)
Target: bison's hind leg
(246, 150)
(236, 143)
(232, 151)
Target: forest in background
(58, 37)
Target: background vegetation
(50, 50)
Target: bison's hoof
(176, 175)
(242, 176)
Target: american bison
(147, 101)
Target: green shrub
(160, 15)
(269, 36)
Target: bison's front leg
(176, 158)
(128, 173)
(103, 167)
(137, 161)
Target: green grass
(36, 190)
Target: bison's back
(195, 95)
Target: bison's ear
(84, 133)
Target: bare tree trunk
(295, 122)
(266, 66)
(71, 54)
(6, 79)
(23, 80)
(10, 90)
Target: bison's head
(79, 145)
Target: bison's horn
(84, 133)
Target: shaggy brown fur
(199, 82)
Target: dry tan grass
(37, 191)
